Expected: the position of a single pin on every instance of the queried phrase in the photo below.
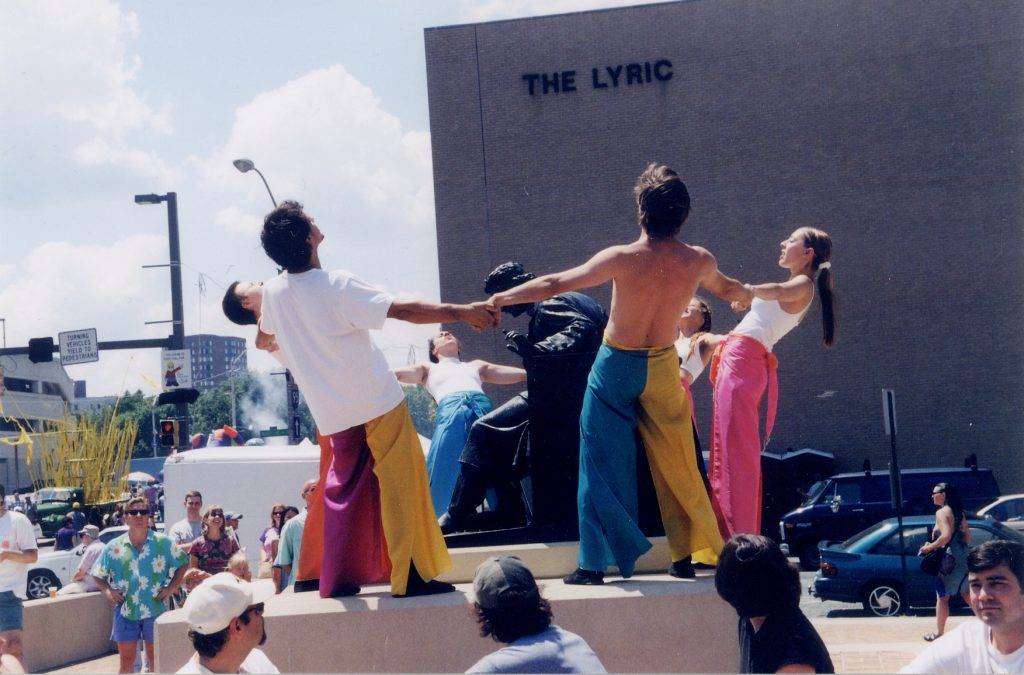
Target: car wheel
(39, 582)
(810, 558)
(883, 599)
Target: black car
(839, 507)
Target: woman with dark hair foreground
(950, 532)
(456, 386)
(764, 588)
(509, 608)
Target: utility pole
(177, 306)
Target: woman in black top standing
(764, 588)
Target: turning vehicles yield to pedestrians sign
(78, 346)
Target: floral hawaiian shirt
(139, 574)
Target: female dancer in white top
(456, 386)
(743, 367)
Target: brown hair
(206, 519)
(136, 500)
(821, 242)
(277, 507)
(662, 201)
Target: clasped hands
(481, 315)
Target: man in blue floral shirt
(137, 572)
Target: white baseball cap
(212, 605)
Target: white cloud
(61, 286)
(99, 153)
(237, 221)
(490, 10)
(72, 60)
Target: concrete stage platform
(650, 623)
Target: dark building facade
(214, 358)
(898, 126)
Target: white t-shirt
(255, 662)
(17, 535)
(322, 321)
(966, 649)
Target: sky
(104, 100)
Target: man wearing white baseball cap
(225, 620)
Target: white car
(1008, 510)
(57, 568)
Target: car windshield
(815, 492)
(53, 495)
(863, 534)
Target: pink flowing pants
(741, 370)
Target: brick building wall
(896, 126)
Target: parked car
(866, 567)
(57, 568)
(840, 506)
(1008, 510)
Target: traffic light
(169, 433)
(40, 350)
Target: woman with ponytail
(743, 367)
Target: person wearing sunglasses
(137, 572)
(225, 623)
(270, 539)
(212, 550)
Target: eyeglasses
(137, 512)
(257, 608)
(939, 492)
(216, 514)
(277, 513)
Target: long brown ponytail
(822, 244)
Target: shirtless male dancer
(635, 383)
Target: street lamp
(177, 339)
(247, 165)
(291, 389)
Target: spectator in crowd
(764, 588)
(950, 532)
(138, 572)
(225, 623)
(83, 582)
(152, 495)
(509, 608)
(78, 520)
(238, 565)
(30, 510)
(290, 512)
(269, 540)
(188, 529)
(231, 519)
(211, 551)
(18, 552)
(65, 540)
(287, 560)
(993, 641)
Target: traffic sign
(78, 346)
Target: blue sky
(107, 99)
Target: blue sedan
(866, 567)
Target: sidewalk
(877, 645)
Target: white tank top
(451, 376)
(767, 322)
(691, 363)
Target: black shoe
(345, 590)
(582, 577)
(682, 569)
(446, 523)
(702, 566)
(308, 585)
(433, 587)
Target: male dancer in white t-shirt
(17, 551)
(375, 520)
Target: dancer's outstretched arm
(495, 374)
(792, 290)
(414, 374)
(478, 315)
(724, 287)
(594, 272)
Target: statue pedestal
(650, 623)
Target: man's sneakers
(582, 577)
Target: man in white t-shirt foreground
(225, 623)
(374, 519)
(17, 551)
(994, 641)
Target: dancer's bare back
(652, 281)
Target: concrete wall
(66, 629)
(895, 125)
(648, 624)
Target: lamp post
(291, 389)
(177, 339)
